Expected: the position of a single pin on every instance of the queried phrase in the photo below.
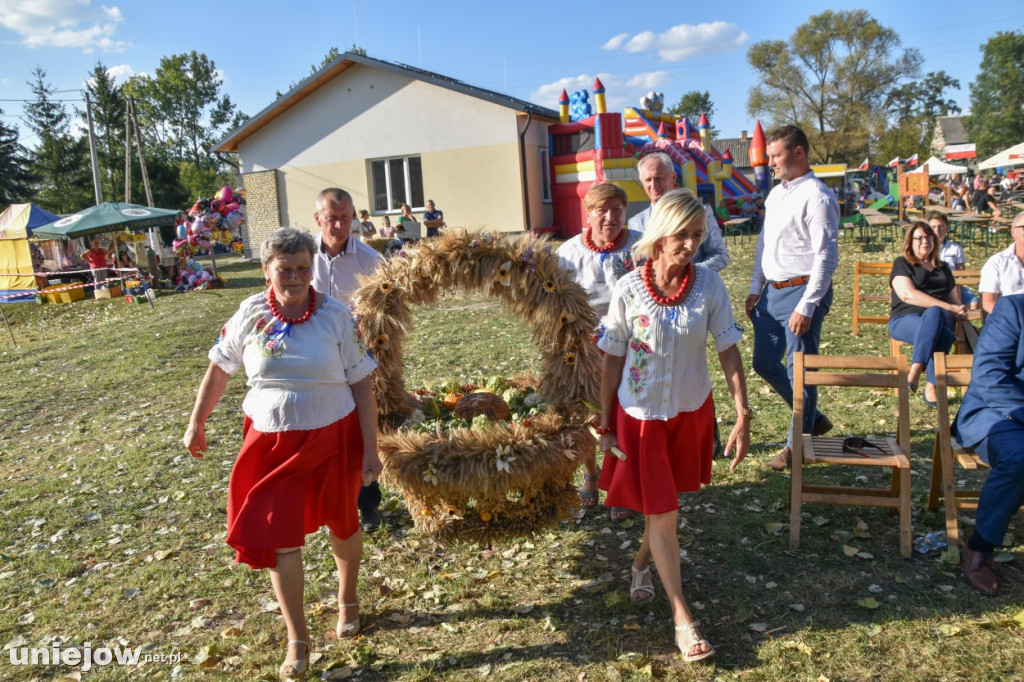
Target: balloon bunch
(218, 219)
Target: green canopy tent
(110, 216)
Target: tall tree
(108, 113)
(913, 109)
(692, 104)
(16, 181)
(831, 78)
(331, 55)
(997, 96)
(60, 161)
(181, 106)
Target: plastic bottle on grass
(934, 540)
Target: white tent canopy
(937, 167)
(1003, 158)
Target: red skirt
(287, 484)
(663, 458)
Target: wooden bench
(892, 453)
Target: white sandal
(687, 637)
(297, 667)
(349, 629)
(641, 587)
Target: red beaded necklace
(589, 243)
(662, 300)
(272, 303)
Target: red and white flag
(912, 161)
(895, 162)
(863, 166)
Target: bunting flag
(895, 162)
(912, 161)
(864, 166)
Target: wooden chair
(863, 269)
(890, 372)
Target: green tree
(16, 181)
(831, 78)
(997, 95)
(913, 109)
(60, 161)
(692, 104)
(331, 55)
(108, 114)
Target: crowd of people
(309, 459)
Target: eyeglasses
(923, 238)
(856, 445)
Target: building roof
(346, 61)
(739, 147)
(953, 131)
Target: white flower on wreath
(430, 475)
(502, 458)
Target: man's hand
(799, 324)
(752, 300)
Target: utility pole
(142, 158)
(96, 187)
(127, 157)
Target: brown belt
(795, 282)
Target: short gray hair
(286, 241)
(660, 158)
(336, 194)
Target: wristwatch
(749, 413)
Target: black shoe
(822, 425)
(371, 519)
(718, 443)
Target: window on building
(545, 176)
(395, 182)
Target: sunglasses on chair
(857, 445)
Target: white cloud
(121, 73)
(616, 42)
(63, 23)
(620, 91)
(684, 40)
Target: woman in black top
(925, 303)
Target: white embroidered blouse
(598, 272)
(299, 377)
(666, 369)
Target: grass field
(113, 535)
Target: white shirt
(800, 237)
(300, 380)
(666, 369)
(338, 276)
(952, 254)
(598, 272)
(1002, 274)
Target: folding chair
(951, 370)
(864, 372)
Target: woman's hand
(740, 440)
(959, 311)
(195, 439)
(607, 442)
(372, 466)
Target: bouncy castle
(591, 145)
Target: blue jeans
(773, 340)
(929, 333)
(1003, 492)
(967, 297)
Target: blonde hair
(673, 212)
(598, 194)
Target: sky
(530, 50)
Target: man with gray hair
(339, 260)
(658, 176)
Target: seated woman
(925, 302)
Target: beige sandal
(641, 587)
(349, 629)
(294, 668)
(688, 637)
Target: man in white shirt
(1003, 273)
(791, 288)
(340, 259)
(658, 176)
